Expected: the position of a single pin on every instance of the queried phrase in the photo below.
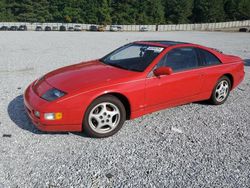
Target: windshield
(134, 57)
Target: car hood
(86, 75)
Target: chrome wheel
(104, 117)
(222, 91)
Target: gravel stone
(193, 145)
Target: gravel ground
(194, 145)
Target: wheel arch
(231, 78)
(124, 99)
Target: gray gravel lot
(194, 145)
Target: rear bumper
(34, 103)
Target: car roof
(166, 44)
(162, 43)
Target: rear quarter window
(208, 59)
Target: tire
(221, 91)
(104, 117)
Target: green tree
(104, 10)
(90, 11)
(30, 10)
(124, 11)
(66, 10)
(244, 9)
(231, 9)
(5, 12)
(140, 13)
(155, 12)
(208, 11)
(137, 12)
(178, 11)
(41, 11)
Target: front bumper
(34, 103)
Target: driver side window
(180, 59)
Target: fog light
(37, 114)
(53, 116)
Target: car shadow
(247, 62)
(205, 103)
(18, 115)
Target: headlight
(53, 94)
(53, 116)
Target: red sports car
(134, 80)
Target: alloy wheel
(104, 117)
(222, 91)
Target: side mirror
(163, 71)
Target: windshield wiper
(118, 66)
(135, 70)
(121, 67)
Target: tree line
(124, 11)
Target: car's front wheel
(221, 91)
(104, 117)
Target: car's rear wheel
(221, 91)
(104, 117)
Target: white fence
(204, 26)
(178, 27)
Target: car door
(185, 81)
